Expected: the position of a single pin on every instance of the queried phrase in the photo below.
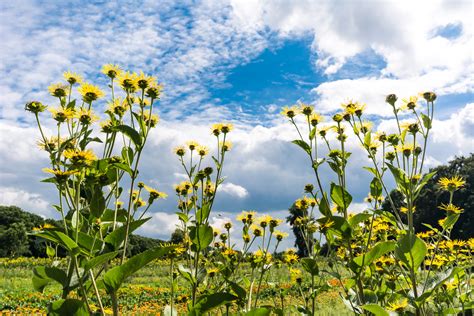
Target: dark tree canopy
(299, 240)
(432, 196)
(15, 224)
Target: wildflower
(154, 91)
(212, 272)
(107, 126)
(58, 90)
(256, 230)
(62, 114)
(80, 157)
(451, 208)
(290, 112)
(246, 217)
(192, 145)
(226, 146)
(393, 139)
(143, 81)
(391, 99)
(228, 225)
(308, 188)
(451, 184)
(111, 70)
(306, 109)
(139, 202)
(226, 128)
(86, 117)
(274, 222)
(154, 194)
(246, 238)
(390, 156)
(264, 220)
(210, 188)
(180, 151)
(118, 107)
(216, 231)
(223, 237)
(410, 103)
(127, 81)
(216, 129)
(338, 117)
(280, 235)
(429, 96)
(50, 144)
(90, 92)
(323, 131)
(398, 306)
(296, 276)
(152, 120)
(290, 258)
(202, 150)
(363, 127)
(405, 149)
(60, 175)
(315, 119)
(35, 107)
(262, 256)
(72, 77)
(404, 210)
(426, 234)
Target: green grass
(147, 292)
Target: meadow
(371, 262)
(145, 293)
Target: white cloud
(234, 190)
(28, 201)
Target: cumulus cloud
(234, 190)
(26, 200)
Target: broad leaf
(340, 196)
(380, 249)
(411, 250)
(99, 260)
(206, 303)
(44, 275)
(303, 145)
(375, 309)
(68, 306)
(310, 265)
(202, 236)
(131, 133)
(116, 237)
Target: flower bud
(391, 99)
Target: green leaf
(310, 265)
(375, 309)
(99, 260)
(423, 182)
(186, 273)
(324, 206)
(50, 252)
(59, 238)
(131, 133)
(68, 306)
(372, 170)
(358, 218)
(42, 276)
(97, 202)
(375, 188)
(426, 120)
(367, 139)
(183, 217)
(259, 311)
(411, 250)
(340, 196)
(116, 237)
(127, 155)
(303, 145)
(377, 251)
(115, 276)
(108, 215)
(312, 133)
(450, 220)
(208, 302)
(340, 227)
(400, 177)
(123, 166)
(76, 219)
(203, 213)
(202, 236)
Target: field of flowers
(371, 262)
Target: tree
(299, 240)
(427, 211)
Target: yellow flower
(127, 81)
(410, 103)
(306, 109)
(86, 117)
(107, 126)
(62, 114)
(315, 119)
(118, 107)
(226, 146)
(216, 129)
(280, 235)
(404, 210)
(264, 220)
(363, 127)
(451, 184)
(290, 112)
(261, 256)
(143, 81)
(72, 77)
(80, 157)
(35, 107)
(89, 92)
(290, 258)
(398, 306)
(50, 144)
(155, 194)
(192, 145)
(154, 91)
(60, 175)
(151, 121)
(139, 203)
(226, 127)
(180, 151)
(246, 217)
(450, 208)
(111, 70)
(58, 90)
(295, 275)
(212, 272)
(256, 230)
(202, 150)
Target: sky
(240, 62)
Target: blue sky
(237, 61)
